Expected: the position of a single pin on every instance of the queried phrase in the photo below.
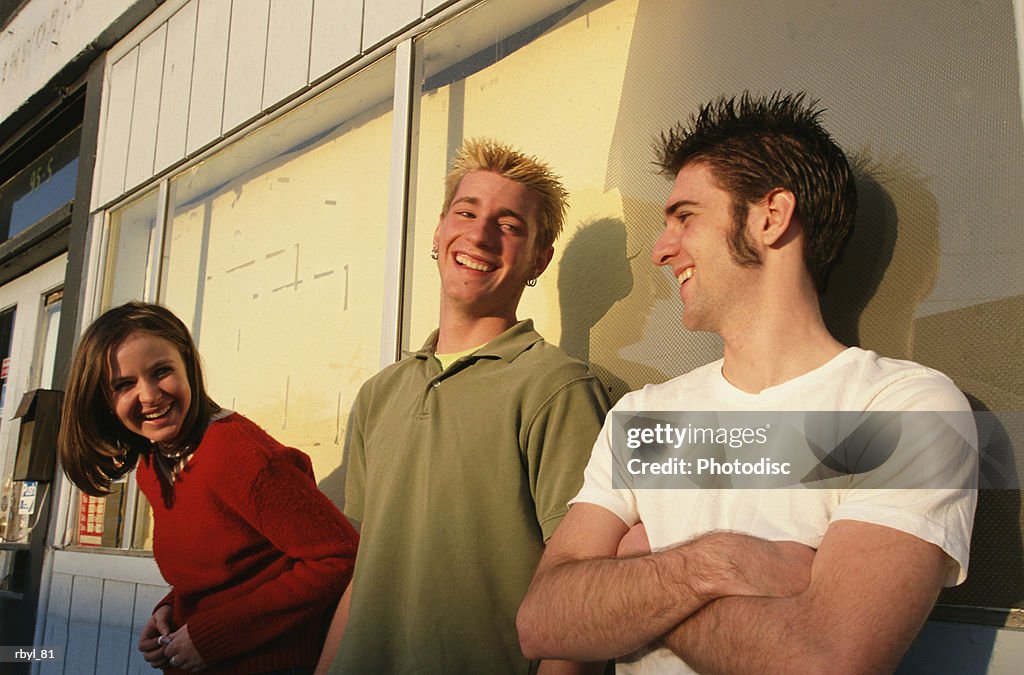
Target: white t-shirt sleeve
(597, 480)
(928, 487)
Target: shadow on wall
(865, 259)
(593, 275)
(621, 313)
(333, 485)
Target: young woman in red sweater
(256, 555)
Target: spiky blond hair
(484, 154)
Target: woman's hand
(155, 630)
(180, 651)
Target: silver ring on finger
(173, 661)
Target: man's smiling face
(486, 245)
(699, 220)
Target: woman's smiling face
(149, 388)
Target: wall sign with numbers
(90, 520)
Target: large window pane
(274, 256)
(100, 519)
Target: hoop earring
(531, 282)
(433, 252)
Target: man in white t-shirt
(804, 579)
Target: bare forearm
(600, 609)
(845, 621)
(747, 635)
(335, 633)
(604, 608)
(739, 635)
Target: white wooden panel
(120, 99)
(337, 29)
(384, 18)
(116, 641)
(146, 598)
(142, 146)
(57, 613)
(83, 626)
(177, 85)
(247, 54)
(206, 104)
(288, 38)
(430, 6)
(131, 568)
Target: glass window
(273, 255)
(128, 275)
(46, 341)
(41, 187)
(100, 519)
(130, 250)
(930, 273)
(6, 333)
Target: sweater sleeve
(166, 600)
(299, 520)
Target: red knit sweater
(256, 554)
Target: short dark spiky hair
(756, 144)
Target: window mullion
(156, 243)
(398, 203)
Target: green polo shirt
(458, 478)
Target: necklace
(170, 468)
(172, 462)
(178, 453)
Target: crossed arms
(727, 602)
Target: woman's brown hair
(95, 448)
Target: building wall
(928, 96)
(45, 37)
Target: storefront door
(30, 308)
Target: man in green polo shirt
(462, 457)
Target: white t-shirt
(855, 380)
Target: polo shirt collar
(509, 345)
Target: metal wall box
(39, 412)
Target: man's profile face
(486, 244)
(695, 245)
